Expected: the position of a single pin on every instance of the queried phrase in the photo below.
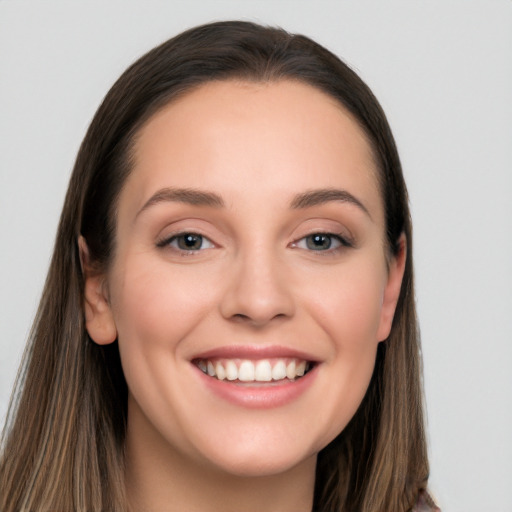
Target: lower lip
(262, 395)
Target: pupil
(319, 241)
(190, 241)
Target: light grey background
(443, 72)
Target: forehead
(279, 137)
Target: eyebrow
(183, 195)
(326, 195)
(202, 198)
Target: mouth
(250, 371)
(257, 377)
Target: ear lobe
(392, 289)
(99, 320)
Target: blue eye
(187, 242)
(322, 242)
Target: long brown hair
(62, 447)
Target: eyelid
(167, 240)
(343, 242)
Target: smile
(261, 370)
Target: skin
(254, 282)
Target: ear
(396, 270)
(99, 320)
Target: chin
(263, 466)
(260, 456)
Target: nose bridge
(258, 289)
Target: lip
(257, 395)
(254, 352)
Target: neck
(160, 478)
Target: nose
(259, 290)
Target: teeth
(279, 371)
(231, 370)
(264, 370)
(246, 372)
(290, 370)
(219, 370)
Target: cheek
(159, 304)
(156, 307)
(349, 313)
(348, 303)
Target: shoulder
(425, 503)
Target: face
(250, 284)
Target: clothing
(425, 503)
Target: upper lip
(254, 352)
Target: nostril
(241, 317)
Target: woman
(228, 320)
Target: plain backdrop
(443, 72)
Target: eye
(188, 242)
(322, 242)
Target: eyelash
(167, 242)
(344, 242)
(341, 240)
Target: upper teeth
(246, 370)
